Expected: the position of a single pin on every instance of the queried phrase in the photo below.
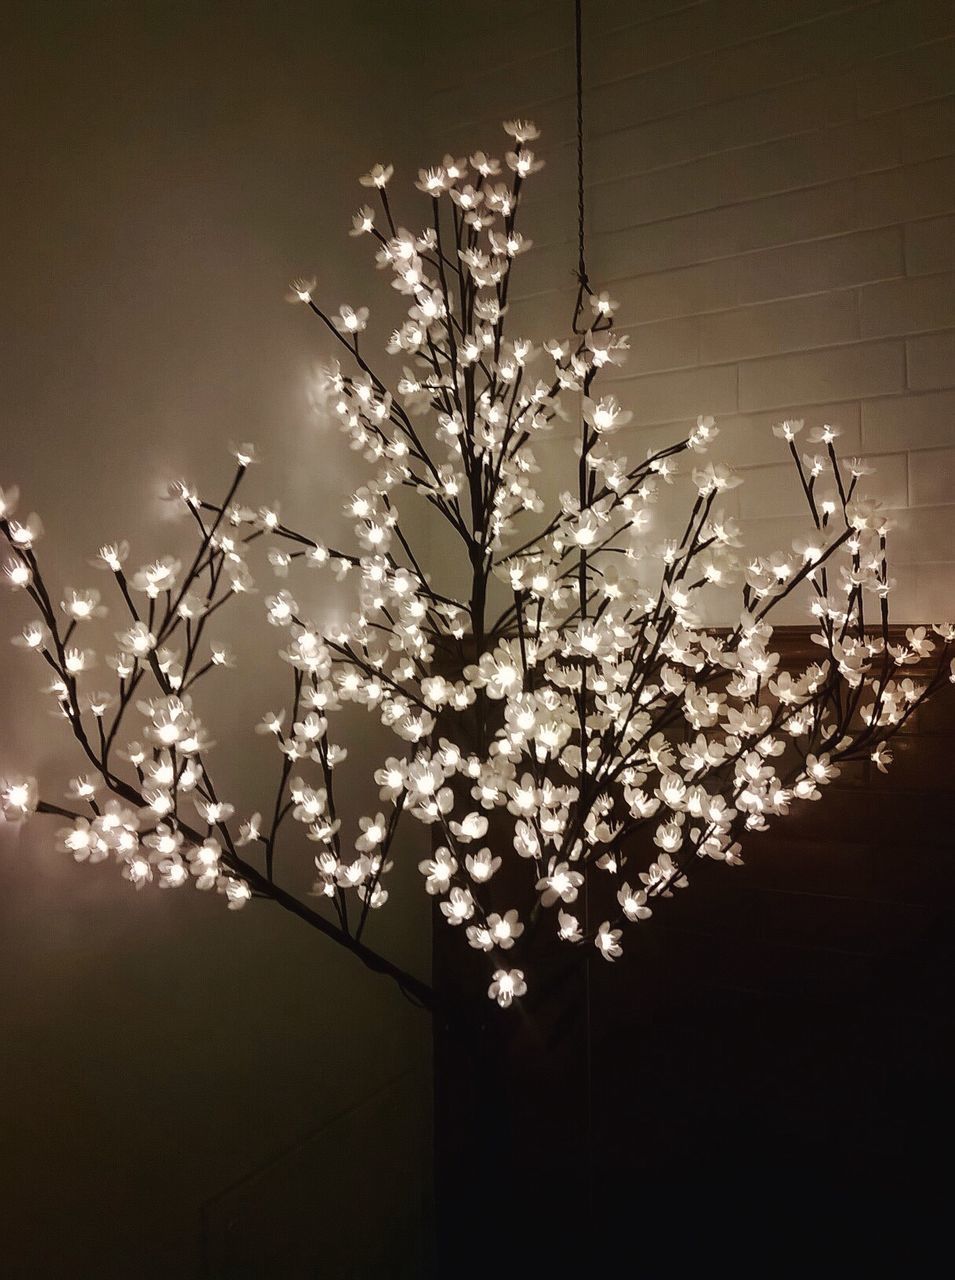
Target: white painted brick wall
(931, 360)
(771, 197)
(930, 246)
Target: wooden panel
(758, 1038)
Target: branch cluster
(588, 730)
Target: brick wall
(771, 198)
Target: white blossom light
(571, 736)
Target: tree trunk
(512, 1107)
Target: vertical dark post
(511, 1111)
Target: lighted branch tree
(538, 738)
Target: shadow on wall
(286, 1218)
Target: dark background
(765, 1075)
(186, 1091)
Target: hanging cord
(583, 282)
(584, 294)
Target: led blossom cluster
(571, 734)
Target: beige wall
(771, 198)
(167, 168)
